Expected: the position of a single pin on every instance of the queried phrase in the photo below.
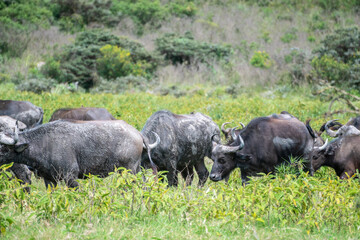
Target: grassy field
(292, 205)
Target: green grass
(123, 206)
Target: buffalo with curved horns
(263, 144)
(185, 141)
(68, 150)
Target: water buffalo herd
(81, 141)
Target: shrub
(23, 15)
(296, 61)
(289, 36)
(37, 85)
(117, 62)
(75, 14)
(78, 62)
(184, 49)
(261, 59)
(338, 59)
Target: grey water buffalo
(21, 171)
(185, 141)
(342, 153)
(83, 113)
(262, 145)
(68, 150)
(23, 111)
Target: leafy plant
(261, 59)
(117, 62)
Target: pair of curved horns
(233, 135)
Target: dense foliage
(185, 49)
(338, 59)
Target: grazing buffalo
(23, 111)
(83, 113)
(21, 171)
(185, 141)
(263, 144)
(342, 153)
(68, 150)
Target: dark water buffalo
(23, 111)
(262, 145)
(68, 150)
(185, 141)
(342, 154)
(83, 113)
(21, 171)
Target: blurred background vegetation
(124, 45)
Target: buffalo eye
(315, 157)
(221, 161)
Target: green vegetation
(135, 57)
(292, 204)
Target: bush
(78, 62)
(37, 85)
(184, 49)
(261, 59)
(338, 59)
(117, 62)
(23, 15)
(73, 15)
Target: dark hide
(185, 141)
(268, 142)
(64, 150)
(83, 113)
(25, 112)
(342, 154)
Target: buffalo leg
(172, 177)
(50, 184)
(244, 177)
(72, 183)
(21, 172)
(188, 175)
(202, 172)
(347, 174)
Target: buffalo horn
(6, 140)
(223, 127)
(230, 149)
(323, 146)
(154, 145)
(330, 132)
(242, 125)
(233, 135)
(16, 132)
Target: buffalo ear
(21, 147)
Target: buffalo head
(226, 158)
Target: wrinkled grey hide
(23, 111)
(67, 150)
(83, 113)
(185, 141)
(265, 143)
(21, 171)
